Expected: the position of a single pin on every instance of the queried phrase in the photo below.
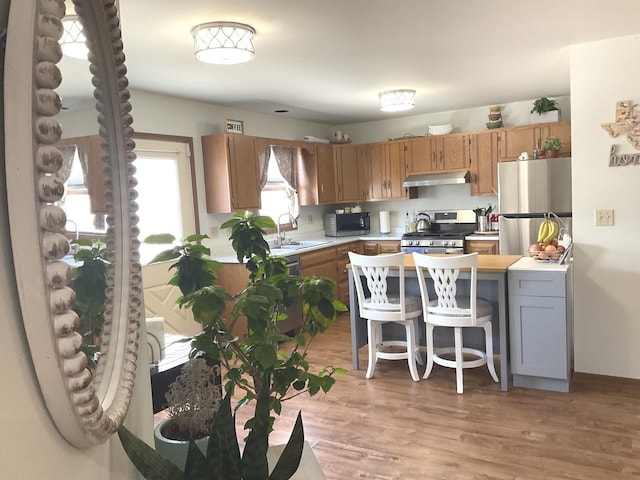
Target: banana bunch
(548, 231)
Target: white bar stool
(379, 308)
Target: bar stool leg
(488, 334)
(459, 357)
(373, 347)
(429, 339)
(411, 350)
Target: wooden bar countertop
(486, 263)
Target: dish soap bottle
(407, 223)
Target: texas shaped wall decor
(627, 122)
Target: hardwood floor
(392, 428)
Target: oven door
(410, 250)
(434, 250)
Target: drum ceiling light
(73, 42)
(397, 100)
(224, 43)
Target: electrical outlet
(604, 218)
(310, 219)
(213, 232)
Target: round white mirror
(86, 405)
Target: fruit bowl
(546, 258)
(548, 253)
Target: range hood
(440, 178)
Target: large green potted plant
(89, 283)
(256, 366)
(545, 110)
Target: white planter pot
(546, 117)
(175, 450)
(309, 468)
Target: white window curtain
(286, 159)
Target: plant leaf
(196, 466)
(149, 463)
(223, 443)
(160, 238)
(254, 457)
(289, 460)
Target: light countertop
(475, 237)
(528, 263)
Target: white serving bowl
(440, 129)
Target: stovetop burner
(448, 229)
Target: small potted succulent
(551, 146)
(262, 365)
(545, 110)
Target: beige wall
(607, 259)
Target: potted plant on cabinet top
(545, 110)
(255, 363)
(551, 147)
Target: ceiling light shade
(397, 100)
(224, 43)
(73, 42)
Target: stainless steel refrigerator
(527, 190)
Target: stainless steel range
(446, 234)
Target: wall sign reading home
(234, 126)
(627, 123)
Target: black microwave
(346, 224)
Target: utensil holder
(483, 223)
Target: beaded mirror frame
(86, 405)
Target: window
(278, 196)
(165, 193)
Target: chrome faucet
(281, 236)
(73, 248)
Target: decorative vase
(551, 153)
(546, 117)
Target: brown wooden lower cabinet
(484, 247)
(375, 247)
(342, 260)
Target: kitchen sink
(294, 245)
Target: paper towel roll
(385, 223)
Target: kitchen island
(492, 286)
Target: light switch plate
(604, 218)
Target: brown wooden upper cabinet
(437, 153)
(387, 170)
(514, 141)
(90, 147)
(231, 172)
(450, 152)
(483, 152)
(418, 157)
(316, 175)
(351, 173)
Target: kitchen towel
(385, 223)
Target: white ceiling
(326, 61)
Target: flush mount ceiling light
(73, 42)
(397, 100)
(224, 43)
